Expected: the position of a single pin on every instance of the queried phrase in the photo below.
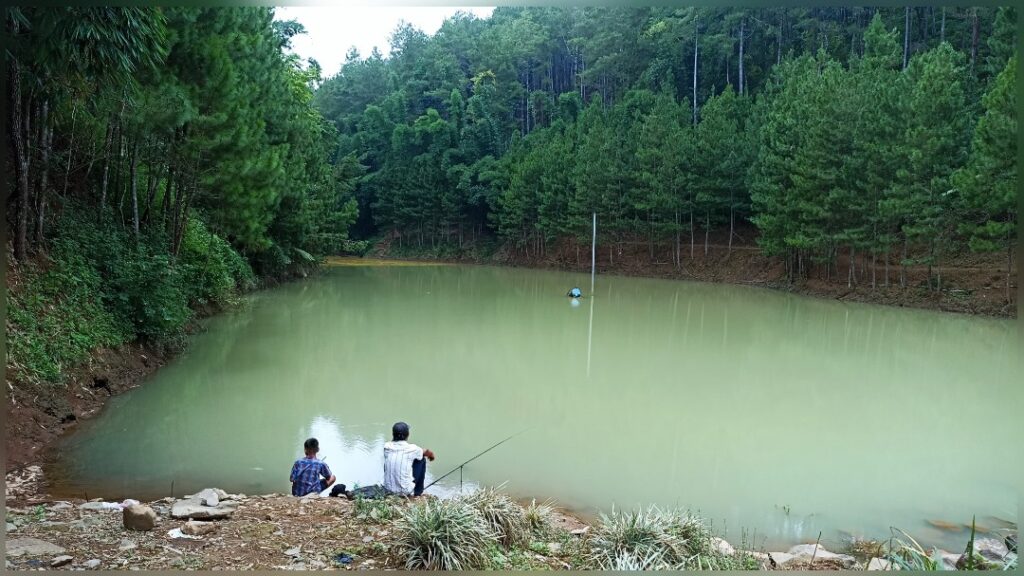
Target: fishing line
(460, 466)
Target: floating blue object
(575, 293)
(343, 559)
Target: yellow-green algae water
(775, 416)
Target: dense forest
(886, 136)
(162, 160)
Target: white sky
(332, 30)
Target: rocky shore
(215, 530)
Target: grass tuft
(443, 535)
(504, 516)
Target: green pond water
(775, 416)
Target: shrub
(377, 510)
(538, 517)
(505, 517)
(213, 271)
(655, 539)
(443, 535)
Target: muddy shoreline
(974, 284)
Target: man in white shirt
(405, 464)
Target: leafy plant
(505, 517)
(443, 535)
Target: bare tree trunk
(44, 179)
(974, 37)
(906, 36)
(106, 164)
(732, 224)
(743, 22)
(16, 131)
(692, 241)
(133, 176)
(678, 233)
(71, 148)
(903, 265)
(778, 48)
(707, 231)
(942, 29)
(695, 48)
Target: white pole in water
(593, 267)
(593, 255)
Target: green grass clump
(655, 539)
(538, 517)
(505, 517)
(375, 509)
(443, 535)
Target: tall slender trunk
(692, 241)
(906, 36)
(778, 47)
(134, 179)
(974, 37)
(106, 164)
(71, 148)
(743, 22)
(46, 141)
(678, 233)
(707, 231)
(942, 28)
(732, 222)
(16, 131)
(1009, 265)
(695, 49)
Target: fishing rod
(460, 466)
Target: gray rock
(991, 549)
(949, 559)
(86, 523)
(293, 551)
(723, 546)
(60, 561)
(58, 506)
(139, 517)
(881, 564)
(807, 551)
(11, 527)
(97, 507)
(31, 547)
(208, 497)
(196, 528)
(220, 493)
(93, 564)
(127, 545)
(194, 508)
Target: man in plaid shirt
(307, 472)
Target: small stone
(95, 506)
(93, 564)
(580, 531)
(11, 527)
(196, 528)
(367, 539)
(31, 547)
(220, 493)
(126, 545)
(139, 517)
(209, 497)
(293, 551)
(60, 506)
(60, 561)
(991, 549)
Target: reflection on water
(765, 411)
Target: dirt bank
(971, 283)
(276, 532)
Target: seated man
(405, 464)
(310, 475)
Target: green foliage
(443, 535)
(654, 539)
(505, 517)
(538, 517)
(380, 510)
